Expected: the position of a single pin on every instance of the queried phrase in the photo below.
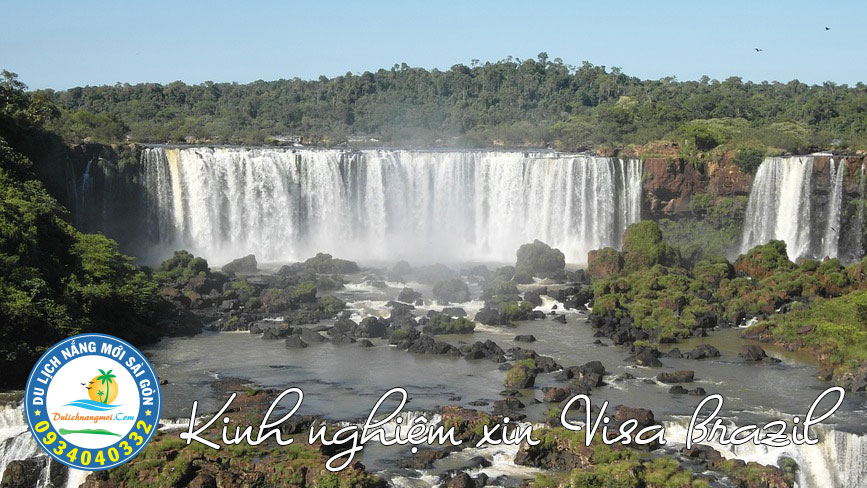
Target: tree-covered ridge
(512, 101)
(56, 281)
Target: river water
(343, 382)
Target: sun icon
(102, 388)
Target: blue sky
(60, 44)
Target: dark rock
(365, 343)
(682, 376)
(642, 415)
(556, 394)
(534, 297)
(423, 459)
(525, 338)
(310, 336)
(408, 295)
(371, 327)
(295, 342)
(752, 353)
(646, 357)
(702, 452)
(454, 311)
(678, 390)
(203, 480)
(698, 391)
(704, 351)
(559, 318)
(508, 404)
(461, 480)
(341, 338)
(479, 403)
(484, 350)
(426, 344)
(23, 473)
(452, 290)
(674, 354)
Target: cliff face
(670, 183)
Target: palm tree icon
(105, 379)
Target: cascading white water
(284, 205)
(838, 460)
(780, 207)
(831, 239)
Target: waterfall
(285, 204)
(838, 460)
(858, 226)
(17, 444)
(831, 239)
(783, 206)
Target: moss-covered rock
(765, 260)
(244, 265)
(604, 263)
(453, 290)
(643, 247)
(521, 375)
(327, 264)
(540, 259)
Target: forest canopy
(512, 102)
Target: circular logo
(92, 402)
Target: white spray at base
(838, 460)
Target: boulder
(752, 353)
(309, 336)
(703, 351)
(454, 311)
(604, 263)
(295, 342)
(525, 338)
(556, 394)
(203, 480)
(520, 376)
(408, 295)
(643, 416)
(540, 259)
(245, 265)
(682, 376)
(646, 357)
(461, 480)
(453, 290)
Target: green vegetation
(711, 231)
(521, 375)
(600, 466)
(56, 281)
(445, 324)
(513, 102)
(835, 328)
(669, 300)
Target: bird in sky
(827, 28)
(759, 50)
